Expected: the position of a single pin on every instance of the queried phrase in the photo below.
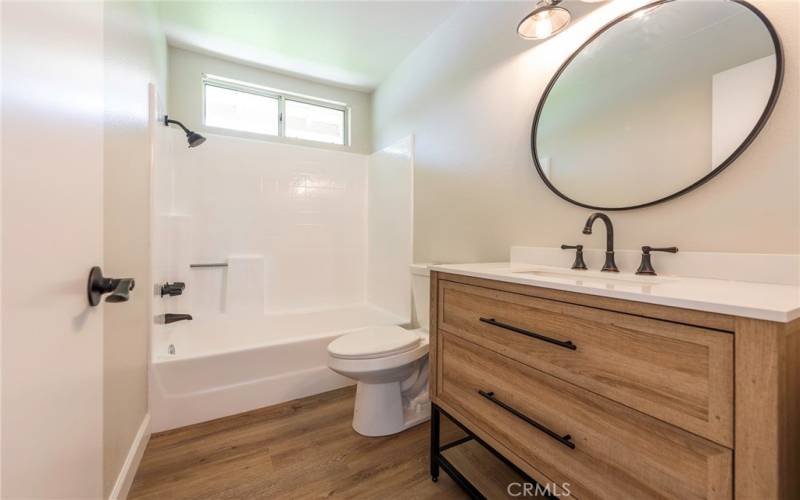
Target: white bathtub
(224, 365)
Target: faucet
(610, 265)
(172, 318)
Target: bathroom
(404, 249)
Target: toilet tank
(421, 292)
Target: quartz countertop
(763, 301)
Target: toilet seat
(374, 342)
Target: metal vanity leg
(435, 415)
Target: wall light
(544, 21)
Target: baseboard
(125, 478)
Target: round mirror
(657, 103)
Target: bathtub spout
(172, 318)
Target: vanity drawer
(601, 448)
(678, 373)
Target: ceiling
(351, 44)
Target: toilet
(390, 364)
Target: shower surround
(300, 265)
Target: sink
(592, 277)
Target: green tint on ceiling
(362, 39)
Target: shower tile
(303, 209)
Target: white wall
(163, 229)
(468, 95)
(390, 212)
(186, 69)
(135, 53)
(300, 212)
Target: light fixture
(544, 21)
(193, 138)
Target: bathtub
(224, 365)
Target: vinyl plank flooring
(300, 449)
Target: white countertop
(737, 298)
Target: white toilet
(390, 364)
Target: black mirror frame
(773, 98)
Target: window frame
(281, 97)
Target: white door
(52, 215)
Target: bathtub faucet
(172, 318)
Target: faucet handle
(647, 249)
(579, 262)
(172, 289)
(646, 266)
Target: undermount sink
(593, 276)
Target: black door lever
(98, 285)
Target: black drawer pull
(565, 440)
(567, 344)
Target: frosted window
(314, 123)
(233, 109)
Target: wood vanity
(618, 398)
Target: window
(314, 123)
(236, 110)
(249, 108)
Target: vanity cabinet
(619, 399)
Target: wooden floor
(300, 449)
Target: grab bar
(212, 264)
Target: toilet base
(379, 410)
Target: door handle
(98, 285)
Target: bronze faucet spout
(610, 265)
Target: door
(52, 234)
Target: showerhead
(193, 138)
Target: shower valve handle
(172, 289)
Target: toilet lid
(373, 342)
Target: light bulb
(544, 21)
(544, 26)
